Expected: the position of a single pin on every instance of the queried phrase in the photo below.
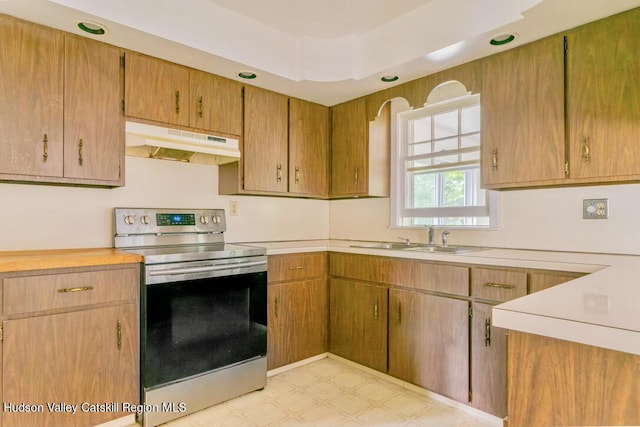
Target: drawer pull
(78, 289)
(499, 286)
(300, 267)
(376, 313)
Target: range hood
(143, 140)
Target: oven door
(200, 317)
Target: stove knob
(129, 219)
(145, 219)
(204, 219)
(217, 219)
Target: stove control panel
(131, 221)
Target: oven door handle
(187, 270)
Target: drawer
(449, 279)
(29, 294)
(368, 268)
(498, 285)
(297, 266)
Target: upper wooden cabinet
(265, 146)
(173, 94)
(523, 115)
(285, 148)
(156, 90)
(31, 114)
(93, 120)
(308, 148)
(603, 99)
(216, 103)
(63, 123)
(359, 151)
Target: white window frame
(400, 215)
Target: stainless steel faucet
(445, 235)
(430, 235)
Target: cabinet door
(84, 356)
(358, 322)
(265, 148)
(31, 87)
(523, 115)
(297, 321)
(93, 120)
(349, 148)
(603, 98)
(429, 342)
(216, 103)
(488, 363)
(156, 90)
(308, 148)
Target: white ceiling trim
(211, 28)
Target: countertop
(597, 309)
(62, 258)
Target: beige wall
(43, 217)
(548, 219)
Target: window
(437, 164)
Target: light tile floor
(330, 392)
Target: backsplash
(50, 217)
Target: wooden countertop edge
(13, 261)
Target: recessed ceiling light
(502, 39)
(92, 27)
(389, 79)
(247, 75)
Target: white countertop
(598, 309)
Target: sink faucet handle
(405, 240)
(445, 235)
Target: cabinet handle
(45, 148)
(177, 102)
(399, 312)
(494, 159)
(586, 149)
(487, 332)
(200, 107)
(119, 334)
(300, 267)
(499, 285)
(80, 145)
(376, 313)
(355, 177)
(275, 308)
(279, 173)
(78, 289)
(297, 175)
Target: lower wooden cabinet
(554, 382)
(428, 342)
(70, 341)
(488, 363)
(358, 322)
(297, 321)
(297, 307)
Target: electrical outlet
(595, 209)
(233, 208)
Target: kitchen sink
(452, 249)
(387, 245)
(418, 247)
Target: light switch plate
(595, 209)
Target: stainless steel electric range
(203, 310)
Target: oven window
(197, 326)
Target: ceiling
(326, 51)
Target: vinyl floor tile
(331, 393)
